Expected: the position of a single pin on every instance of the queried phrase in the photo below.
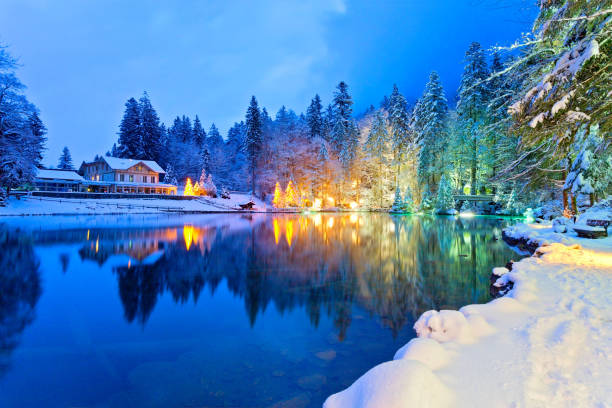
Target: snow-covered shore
(67, 206)
(547, 343)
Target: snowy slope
(56, 206)
(548, 343)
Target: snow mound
(394, 384)
(452, 325)
(427, 351)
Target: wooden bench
(593, 229)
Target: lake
(223, 310)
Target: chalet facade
(116, 175)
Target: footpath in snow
(547, 343)
(58, 206)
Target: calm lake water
(223, 310)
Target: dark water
(223, 310)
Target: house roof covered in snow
(52, 174)
(117, 163)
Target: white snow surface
(57, 206)
(547, 343)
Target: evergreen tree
(151, 133)
(400, 127)
(344, 137)
(473, 98)
(314, 117)
(214, 139)
(376, 148)
(253, 138)
(22, 133)
(65, 160)
(398, 202)
(170, 177)
(445, 202)
(130, 132)
(199, 135)
(431, 121)
(426, 201)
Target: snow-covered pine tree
(445, 202)
(376, 149)
(314, 117)
(427, 204)
(431, 120)
(210, 187)
(398, 203)
(566, 90)
(254, 139)
(152, 138)
(278, 200)
(22, 133)
(65, 160)
(130, 132)
(170, 176)
(199, 135)
(400, 128)
(342, 124)
(474, 95)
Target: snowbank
(59, 206)
(547, 343)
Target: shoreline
(539, 344)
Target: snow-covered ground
(58, 206)
(547, 343)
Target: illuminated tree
(291, 195)
(188, 188)
(278, 200)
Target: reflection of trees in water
(20, 289)
(394, 267)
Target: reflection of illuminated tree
(19, 291)
(394, 267)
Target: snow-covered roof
(58, 175)
(117, 163)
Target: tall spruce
(65, 160)
(400, 128)
(377, 148)
(130, 132)
(471, 107)
(152, 138)
(314, 117)
(254, 138)
(432, 123)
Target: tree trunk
(566, 210)
(574, 204)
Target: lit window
(97, 177)
(131, 178)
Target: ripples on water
(225, 310)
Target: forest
(530, 126)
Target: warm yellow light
(188, 235)
(330, 222)
(354, 183)
(317, 220)
(278, 200)
(88, 235)
(196, 189)
(354, 237)
(331, 201)
(316, 205)
(276, 231)
(97, 244)
(291, 196)
(289, 231)
(353, 218)
(353, 205)
(188, 188)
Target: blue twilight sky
(81, 60)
